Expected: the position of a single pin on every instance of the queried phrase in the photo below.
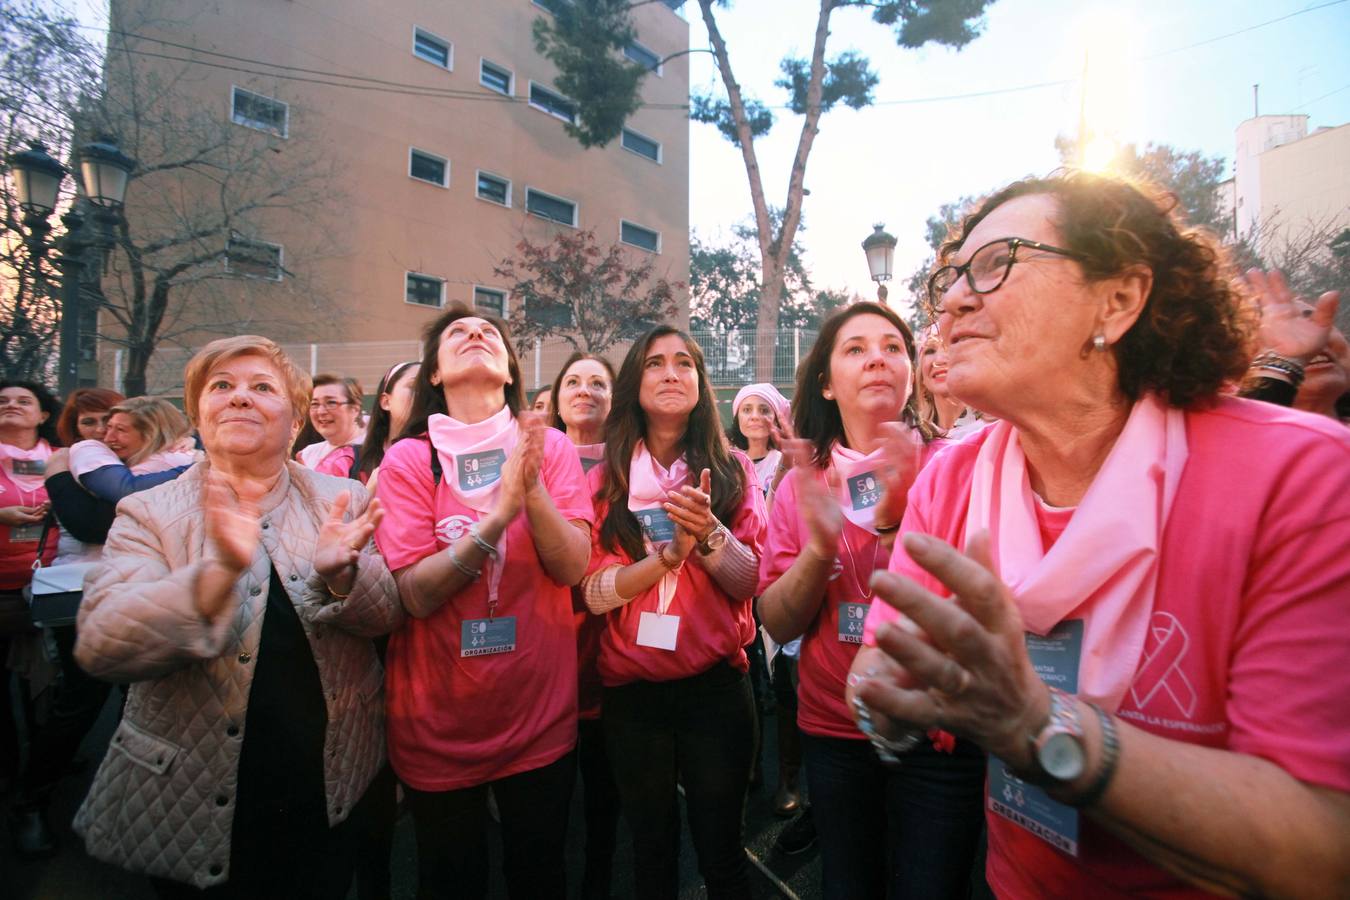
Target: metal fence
(731, 358)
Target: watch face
(1062, 757)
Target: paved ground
(72, 875)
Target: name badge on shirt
(656, 525)
(656, 630)
(864, 490)
(30, 467)
(482, 637)
(1056, 658)
(25, 534)
(478, 470)
(851, 619)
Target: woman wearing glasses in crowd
(908, 831)
(488, 528)
(335, 414)
(393, 408)
(582, 394)
(681, 518)
(1131, 590)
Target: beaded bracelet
(1110, 757)
(1273, 362)
(482, 544)
(472, 574)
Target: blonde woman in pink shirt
(1131, 591)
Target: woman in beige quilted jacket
(240, 602)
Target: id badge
(864, 490)
(478, 470)
(1056, 657)
(25, 534)
(656, 525)
(852, 616)
(483, 637)
(658, 631)
(30, 467)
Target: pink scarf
(648, 484)
(28, 480)
(1104, 567)
(859, 483)
(455, 441)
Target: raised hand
(340, 543)
(1289, 326)
(817, 503)
(690, 508)
(531, 447)
(903, 451)
(233, 527)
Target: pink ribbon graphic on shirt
(1164, 648)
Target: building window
(437, 51)
(248, 258)
(643, 57)
(641, 145)
(552, 103)
(490, 301)
(424, 290)
(555, 209)
(497, 190)
(638, 236)
(256, 111)
(428, 167)
(494, 77)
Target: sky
(897, 162)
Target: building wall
(1307, 182)
(386, 223)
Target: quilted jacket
(162, 801)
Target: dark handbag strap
(47, 524)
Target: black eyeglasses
(987, 268)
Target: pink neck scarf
(454, 440)
(1104, 567)
(648, 484)
(859, 483)
(25, 480)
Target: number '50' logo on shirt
(452, 528)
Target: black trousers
(452, 834)
(600, 801)
(698, 732)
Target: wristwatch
(716, 540)
(1059, 749)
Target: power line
(1323, 97)
(1222, 37)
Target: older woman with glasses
(239, 601)
(1131, 590)
(335, 414)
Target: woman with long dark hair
(909, 831)
(488, 528)
(674, 567)
(388, 417)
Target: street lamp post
(37, 182)
(880, 250)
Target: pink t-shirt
(713, 627)
(825, 655)
(456, 721)
(1251, 609)
(18, 543)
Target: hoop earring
(1099, 342)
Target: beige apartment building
(440, 131)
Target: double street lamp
(880, 250)
(104, 170)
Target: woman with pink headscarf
(756, 412)
(1131, 591)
